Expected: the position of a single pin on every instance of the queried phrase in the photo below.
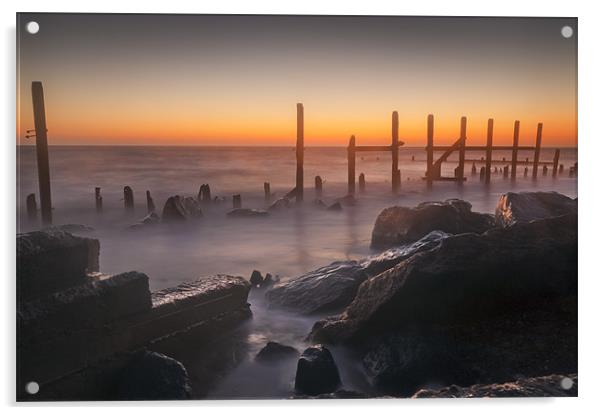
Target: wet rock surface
(317, 372)
(274, 351)
(178, 209)
(398, 224)
(528, 206)
(334, 286)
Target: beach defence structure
(41, 135)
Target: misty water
(286, 243)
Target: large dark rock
(334, 286)
(178, 209)
(317, 372)
(51, 260)
(153, 376)
(274, 351)
(528, 206)
(398, 224)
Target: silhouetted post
(150, 204)
(526, 172)
(318, 186)
(561, 169)
(300, 139)
(362, 182)
(537, 150)
(32, 206)
(545, 170)
(39, 118)
(489, 151)
(473, 171)
(555, 166)
(462, 151)
(395, 177)
(506, 172)
(128, 198)
(515, 150)
(267, 194)
(98, 199)
(571, 171)
(351, 166)
(482, 174)
(204, 195)
(430, 130)
(236, 202)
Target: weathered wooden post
(506, 172)
(362, 182)
(555, 166)
(32, 206)
(128, 198)
(489, 151)
(561, 169)
(300, 149)
(236, 202)
(482, 174)
(430, 130)
(395, 175)
(515, 150)
(537, 150)
(97, 199)
(318, 186)
(267, 194)
(545, 170)
(39, 118)
(473, 171)
(526, 172)
(150, 204)
(204, 195)
(462, 151)
(351, 166)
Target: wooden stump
(362, 182)
(97, 199)
(150, 204)
(267, 194)
(236, 202)
(128, 198)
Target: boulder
(317, 373)
(178, 209)
(334, 286)
(399, 224)
(528, 206)
(247, 213)
(153, 376)
(274, 351)
(256, 278)
(51, 260)
(151, 219)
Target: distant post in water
(128, 198)
(204, 195)
(505, 172)
(489, 151)
(300, 144)
(97, 199)
(236, 202)
(362, 182)
(561, 169)
(526, 172)
(545, 170)
(318, 186)
(462, 151)
(514, 150)
(351, 166)
(430, 130)
(395, 176)
(150, 204)
(555, 166)
(537, 150)
(267, 194)
(473, 171)
(32, 206)
(39, 117)
(482, 174)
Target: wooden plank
(537, 150)
(300, 151)
(351, 166)
(514, 150)
(39, 118)
(488, 151)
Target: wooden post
(482, 174)
(545, 170)
(555, 166)
(462, 151)
(515, 150)
(236, 202)
(351, 166)
(267, 194)
(561, 169)
(430, 131)
(318, 186)
(150, 204)
(32, 206)
(395, 179)
(204, 195)
(473, 171)
(526, 173)
(362, 182)
(300, 149)
(128, 198)
(505, 172)
(537, 150)
(39, 118)
(97, 199)
(489, 151)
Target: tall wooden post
(267, 194)
(300, 144)
(39, 118)
(318, 186)
(555, 166)
(430, 131)
(395, 177)
(128, 198)
(514, 150)
(489, 151)
(98, 199)
(351, 166)
(462, 151)
(537, 150)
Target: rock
(398, 224)
(153, 376)
(317, 372)
(335, 207)
(256, 278)
(269, 280)
(177, 209)
(51, 260)
(528, 206)
(282, 203)
(247, 213)
(538, 387)
(334, 286)
(274, 351)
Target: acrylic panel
(282, 206)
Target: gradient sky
(235, 80)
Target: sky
(235, 80)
